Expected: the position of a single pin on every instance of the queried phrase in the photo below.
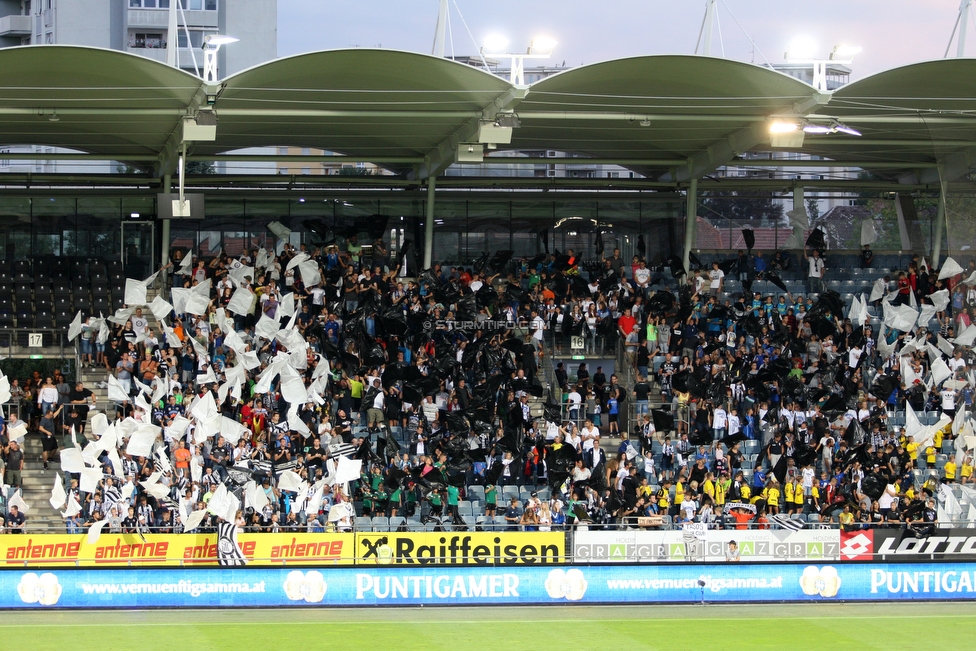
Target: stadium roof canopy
(672, 118)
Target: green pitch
(814, 626)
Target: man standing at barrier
(15, 465)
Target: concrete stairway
(41, 518)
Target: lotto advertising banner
(698, 544)
(635, 584)
(904, 545)
(461, 548)
(125, 550)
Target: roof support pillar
(940, 218)
(429, 222)
(164, 255)
(691, 219)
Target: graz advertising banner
(522, 584)
(461, 548)
(905, 545)
(124, 550)
(701, 545)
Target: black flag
(816, 239)
(750, 237)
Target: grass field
(813, 626)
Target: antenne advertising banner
(705, 546)
(457, 586)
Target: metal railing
(23, 341)
(444, 524)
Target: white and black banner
(228, 553)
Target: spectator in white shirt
(716, 279)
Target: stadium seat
(381, 523)
(62, 318)
(43, 318)
(364, 524)
(396, 522)
(61, 288)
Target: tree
(740, 207)
(200, 167)
(813, 208)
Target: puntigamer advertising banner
(516, 584)
(124, 550)
(701, 545)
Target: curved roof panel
(91, 99)
(916, 113)
(651, 113)
(358, 101)
(653, 106)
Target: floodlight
(217, 40)
(495, 44)
(843, 128)
(542, 46)
(783, 126)
(817, 128)
(845, 52)
(801, 48)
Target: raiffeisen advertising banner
(461, 548)
(518, 584)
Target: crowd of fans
(773, 403)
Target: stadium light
(803, 50)
(211, 45)
(540, 47)
(785, 134)
(783, 126)
(495, 44)
(833, 127)
(844, 53)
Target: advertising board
(125, 550)
(461, 548)
(517, 584)
(705, 546)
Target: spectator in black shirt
(15, 520)
(562, 377)
(82, 398)
(867, 257)
(641, 393)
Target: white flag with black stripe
(228, 553)
(786, 522)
